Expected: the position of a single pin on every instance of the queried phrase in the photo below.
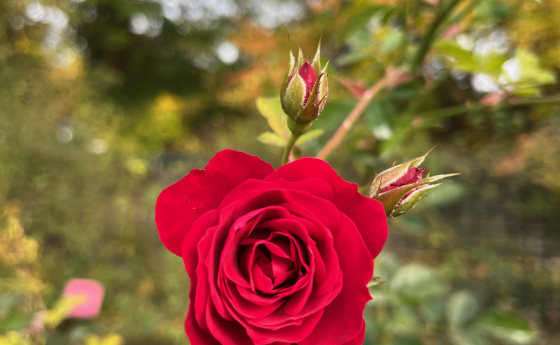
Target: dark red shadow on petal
(357, 265)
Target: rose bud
(401, 187)
(304, 91)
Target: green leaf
(432, 311)
(15, 322)
(462, 59)
(391, 42)
(466, 337)
(417, 282)
(491, 65)
(404, 321)
(461, 308)
(507, 327)
(316, 133)
(525, 74)
(271, 109)
(270, 138)
(378, 119)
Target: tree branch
(354, 115)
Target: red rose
(274, 257)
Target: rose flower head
(401, 187)
(304, 90)
(275, 257)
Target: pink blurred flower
(451, 31)
(493, 98)
(93, 292)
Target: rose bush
(274, 256)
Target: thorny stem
(353, 116)
(289, 148)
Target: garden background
(104, 103)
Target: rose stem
(289, 148)
(353, 116)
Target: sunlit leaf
(271, 109)
(462, 59)
(507, 327)
(316, 133)
(461, 307)
(417, 282)
(391, 42)
(273, 139)
(466, 337)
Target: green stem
(289, 148)
(430, 35)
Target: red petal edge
(181, 204)
(368, 214)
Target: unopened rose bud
(401, 187)
(304, 91)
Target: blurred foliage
(416, 307)
(103, 103)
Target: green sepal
(300, 60)
(316, 64)
(288, 73)
(438, 177)
(293, 99)
(323, 89)
(310, 111)
(391, 199)
(412, 200)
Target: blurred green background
(104, 103)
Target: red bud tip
(309, 76)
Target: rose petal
(368, 214)
(308, 168)
(195, 333)
(370, 219)
(227, 332)
(181, 204)
(359, 340)
(315, 186)
(357, 265)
